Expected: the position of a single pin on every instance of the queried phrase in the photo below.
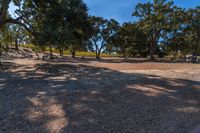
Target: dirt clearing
(86, 96)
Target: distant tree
(81, 34)
(177, 45)
(20, 36)
(6, 39)
(103, 34)
(153, 18)
(193, 29)
(131, 40)
(100, 34)
(174, 36)
(184, 33)
(113, 28)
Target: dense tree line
(161, 28)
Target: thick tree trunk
(51, 52)
(73, 54)
(152, 51)
(152, 54)
(98, 54)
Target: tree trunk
(51, 52)
(0, 61)
(98, 54)
(73, 54)
(152, 54)
(1, 57)
(109, 52)
(61, 52)
(152, 51)
(16, 45)
(123, 54)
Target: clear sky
(121, 10)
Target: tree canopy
(161, 28)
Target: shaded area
(79, 98)
(113, 60)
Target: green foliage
(59, 25)
(131, 41)
(193, 29)
(6, 38)
(63, 24)
(103, 33)
(154, 20)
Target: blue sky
(121, 10)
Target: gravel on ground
(99, 97)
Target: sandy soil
(87, 96)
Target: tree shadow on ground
(139, 60)
(112, 60)
(69, 98)
(103, 60)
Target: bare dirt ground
(110, 95)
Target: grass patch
(66, 52)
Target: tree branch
(14, 21)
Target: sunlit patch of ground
(47, 110)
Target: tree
(62, 25)
(174, 36)
(184, 33)
(131, 40)
(100, 34)
(153, 18)
(20, 36)
(25, 15)
(20, 14)
(81, 33)
(103, 32)
(177, 44)
(193, 29)
(113, 28)
(6, 39)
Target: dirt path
(90, 96)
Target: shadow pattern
(63, 98)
